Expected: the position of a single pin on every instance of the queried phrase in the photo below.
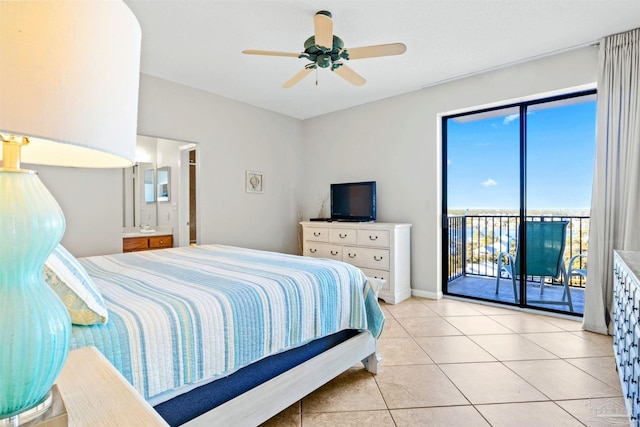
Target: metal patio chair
(581, 268)
(545, 250)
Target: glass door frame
(522, 214)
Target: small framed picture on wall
(254, 182)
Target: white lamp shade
(69, 75)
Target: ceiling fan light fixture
(324, 49)
(323, 61)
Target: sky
(483, 159)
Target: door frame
(522, 105)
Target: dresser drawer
(378, 274)
(132, 244)
(342, 236)
(377, 238)
(377, 259)
(316, 234)
(158, 242)
(323, 250)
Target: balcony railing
(475, 241)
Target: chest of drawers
(380, 250)
(626, 331)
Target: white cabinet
(380, 250)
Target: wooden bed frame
(270, 398)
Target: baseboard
(426, 294)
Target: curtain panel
(615, 203)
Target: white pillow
(70, 281)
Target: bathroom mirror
(149, 186)
(164, 184)
(139, 195)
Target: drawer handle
(334, 252)
(316, 233)
(313, 251)
(377, 258)
(342, 236)
(352, 255)
(373, 237)
(161, 241)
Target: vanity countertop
(153, 231)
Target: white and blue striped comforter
(183, 316)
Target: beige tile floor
(455, 363)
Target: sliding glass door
(560, 137)
(505, 171)
(482, 197)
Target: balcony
(475, 241)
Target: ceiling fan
(326, 50)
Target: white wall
(396, 143)
(233, 137)
(146, 149)
(91, 200)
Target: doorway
(189, 176)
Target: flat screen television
(353, 201)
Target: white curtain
(615, 204)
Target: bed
(221, 335)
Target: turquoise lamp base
(30, 414)
(35, 328)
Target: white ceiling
(199, 43)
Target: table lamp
(69, 74)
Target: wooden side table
(96, 394)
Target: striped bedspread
(184, 316)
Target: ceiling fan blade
(295, 79)
(349, 75)
(323, 30)
(270, 53)
(377, 50)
